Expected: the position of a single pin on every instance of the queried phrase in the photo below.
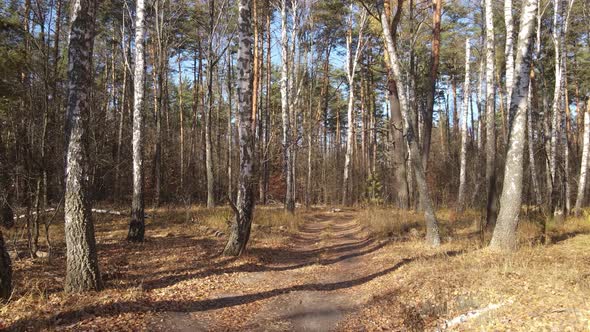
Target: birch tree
(82, 273)
(509, 51)
(504, 236)
(584, 162)
(432, 232)
(244, 207)
(491, 210)
(137, 224)
(351, 64)
(286, 138)
(464, 136)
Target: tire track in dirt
(332, 249)
(312, 282)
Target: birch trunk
(351, 63)
(82, 273)
(464, 137)
(240, 229)
(432, 232)
(509, 53)
(584, 162)
(555, 123)
(531, 142)
(287, 151)
(492, 208)
(137, 225)
(504, 236)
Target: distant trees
(82, 272)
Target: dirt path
(312, 283)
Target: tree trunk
(432, 233)
(434, 60)
(240, 229)
(466, 99)
(351, 61)
(6, 220)
(504, 236)
(82, 273)
(584, 162)
(287, 149)
(509, 53)
(208, 142)
(492, 205)
(531, 142)
(137, 224)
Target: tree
(244, 207)
(434, 61)
(432, 233)
(584, 162)
(504, 236)
(6, 220)
(492, 208)
(287, 148)
(137, 224)
(464, 136)
(351, 64)
(82, 273)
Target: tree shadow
(118, 308)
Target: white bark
(509, 53)
(136, 227)
(432, 232)
(287, 149)
(504, 236)
(490, 116)
(464, 119)
(351, 64)
(244, 207)
(584, 163)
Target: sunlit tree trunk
(434, 61)
(244, 208)
(584, 162)
(492, 208)
(504, 236)
(432, 232)
(82, 273)
(509, 51)
(464, 136)
(351, 63)
(137, 225)
(287, 149)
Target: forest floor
(325, 271)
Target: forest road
(310, 285)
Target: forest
(294, 165)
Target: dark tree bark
(6, 220)
(434, 61)
(82, 273)
(244, 208)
